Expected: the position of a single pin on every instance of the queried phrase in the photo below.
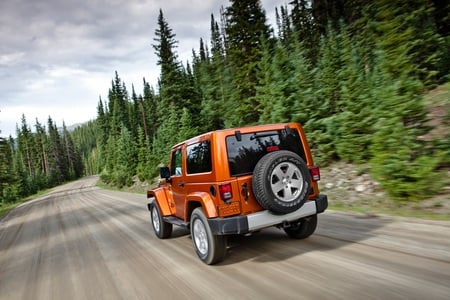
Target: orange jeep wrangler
(237, 181)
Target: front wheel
(210, 248)
(162, 229)
(302, 228)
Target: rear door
(246, 149)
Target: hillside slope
(351, 187)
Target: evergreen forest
(354, 73)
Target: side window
(199, 158)
(176, 162)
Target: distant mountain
(72, 127)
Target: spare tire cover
(281, 181)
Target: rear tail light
(315, 173)
(225, 191)
(272, 148)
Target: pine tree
(143, 169)
(405, 29)
(73, 156)
(126, 159)
(327, 14)
(58, 162)
(171, 73)
(118, 106)
(8, 191)
(42, 145)
(103, 123)
(326, 102)
(25, 145)
(281, 88)
(166, 136)
(246, 30)
(265, 78)
(150, 111)
(285, 30)
(24, 187)
(136, 113)
(402, 162)
(214, 82)
(305, 28)
(356, 119)
(186, 130)
(24, 160)
(192, 94)
(303, 80)
(86, 139)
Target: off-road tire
(162, 228)
(281, 182)
(303, 228)
(210, 248)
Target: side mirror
(164, 173)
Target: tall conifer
(246, 29)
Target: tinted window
(199, 158)
(176, 162)
(244, 154)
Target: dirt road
(83, 242)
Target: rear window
(245, 151)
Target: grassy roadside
(6, 207)
(426, 209)
(351, 189)
(137, 188)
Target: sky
(58, 57)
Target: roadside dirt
(351, 188)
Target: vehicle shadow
(334, 230)
(179, 232)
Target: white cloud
(58, 56)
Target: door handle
(181, 184)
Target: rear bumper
(262, 219)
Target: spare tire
(281, 182)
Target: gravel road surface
(83, 242)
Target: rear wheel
(302, 228)
(210, 248)
(162, 229)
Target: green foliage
(9, 194)
(7, 177)
(166, 136)
(246, 30)
(355, 120)
(143, 162)
(325, 105)
(406, 30)
(305, 28)
(186, 128)
(353, 73)
(402, 166)
(36, 160)
(126, 158)
(87, 138)
(405, 165)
